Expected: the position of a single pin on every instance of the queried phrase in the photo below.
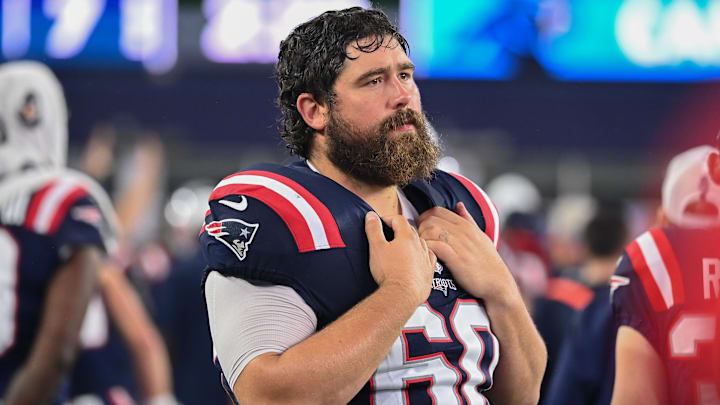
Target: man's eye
(374, 81)
(404, 76)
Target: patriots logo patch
(236, 234)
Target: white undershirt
(250, 319)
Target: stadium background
(582, 97)
(214, 117)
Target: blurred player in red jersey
(666, 292)
(55, 225)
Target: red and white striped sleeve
(657, 268)
(49, 206)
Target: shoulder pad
(241, 202)
(44, 201)
(652, 259)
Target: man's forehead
(357, 48)
(370, 55)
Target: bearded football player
(361, 274)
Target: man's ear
(313, 112)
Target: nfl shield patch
(236, 234)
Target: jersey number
(9, 261)
(688, 331)
(411, 361)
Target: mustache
(402, 117)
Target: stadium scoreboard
(644, 40)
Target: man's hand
(477, 267)
(406, 260)
(341, 359)
(458, 241)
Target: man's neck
(383, 199)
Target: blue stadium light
(648, 40)
(91, 33)
(148, 33)
(645, 40)
(15, 31)
(459, 39)
(591, 40)
(73, 23)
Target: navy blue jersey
(667, 287)
(294, 227)
(585, 367)
(42, 219)
(554, 314)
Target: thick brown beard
(376, 156)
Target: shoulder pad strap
(654, 261)
(486, 206)
(308, 219)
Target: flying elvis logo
(236, 234)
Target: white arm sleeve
(247, 320)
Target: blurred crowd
(145, 334)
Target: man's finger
(433, 224)
(401, 226)
(433, 258)
(462, 210)
(431, 255)
(373, 228)
(442, 250)
(440, 213)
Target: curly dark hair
(312, 57)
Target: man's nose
(402, 94)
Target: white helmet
(687, 182)
(33, 118)
(513, 192)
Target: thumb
(373, 228)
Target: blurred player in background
(584, 370)
(55, 226)
(565, 295)
(124, 359)
(178, 308)
(312, 297)
(666, 297)
(522, 244)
